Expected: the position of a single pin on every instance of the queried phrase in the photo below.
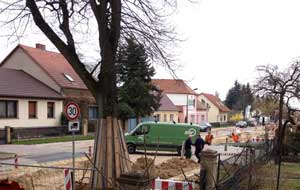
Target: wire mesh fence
(240, 171)
(44, 177)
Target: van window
(142, 130)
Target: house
(52, 69)
(27, 102)
(217, 111)
(167, 111)
(184, 98)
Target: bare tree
(63, 21)
(284, 85)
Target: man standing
(199, 145)
(188, 147)
(208, 138)
(235, 138)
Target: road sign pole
(72, 112)
(73, 155)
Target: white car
(205, 126)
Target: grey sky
(225, 40)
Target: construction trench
(48, 178)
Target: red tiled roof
(173, 86)
(216, 101)
(166, 104)
(180, 108)
(54, 64)
(17, 83)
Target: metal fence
(37, 177)
(239, 171)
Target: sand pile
(165, 170)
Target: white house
(27, 102)
(184, 98)
(217, 111)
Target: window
(93, 112)
(50, 109)
(192, 118)
(224, 117)
(8, 109)
(171, 117)
(143, 130)
(158, 117)
(202, 118)
(32, 109)
(165, 117)
(69, 77)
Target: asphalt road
(42, 153)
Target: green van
(160, 136)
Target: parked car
(205, 126)
(251, 123)
(241, 124)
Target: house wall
(21, 61)
(167, 113)
(193, 114)
(178, 99)
(213, 111)
(223, 117)
(22, 119)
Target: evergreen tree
(137, 96)
(239, 96)
(233, 94)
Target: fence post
(90, 151)
(84, 127)
(7, 135)
(209, 162)
(219, 164)
(16, 161)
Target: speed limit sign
(72, 111)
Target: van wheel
(131, 148)
(179, 151)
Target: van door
(141, 133)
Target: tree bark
(278, 145)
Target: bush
(293, 142)
(63, 119)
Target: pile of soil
(167, 169)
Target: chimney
(40, 46)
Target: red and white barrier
(67, 180)
(162, 184)
(257, 139)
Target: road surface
(42, 153)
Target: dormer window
(69, 77)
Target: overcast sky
(226, 39)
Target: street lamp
(187, 106)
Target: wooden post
(110, 155)
(84, 127)
(209, 160)
(7, 135)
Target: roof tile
(55, 65)
(173, 86)
(17, 83)
(217, 102)
(166, 104)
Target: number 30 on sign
(72, 111)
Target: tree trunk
(110, 155)
(278, 144)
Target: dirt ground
(167, 169)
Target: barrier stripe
(160, 184)
(67, 179)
